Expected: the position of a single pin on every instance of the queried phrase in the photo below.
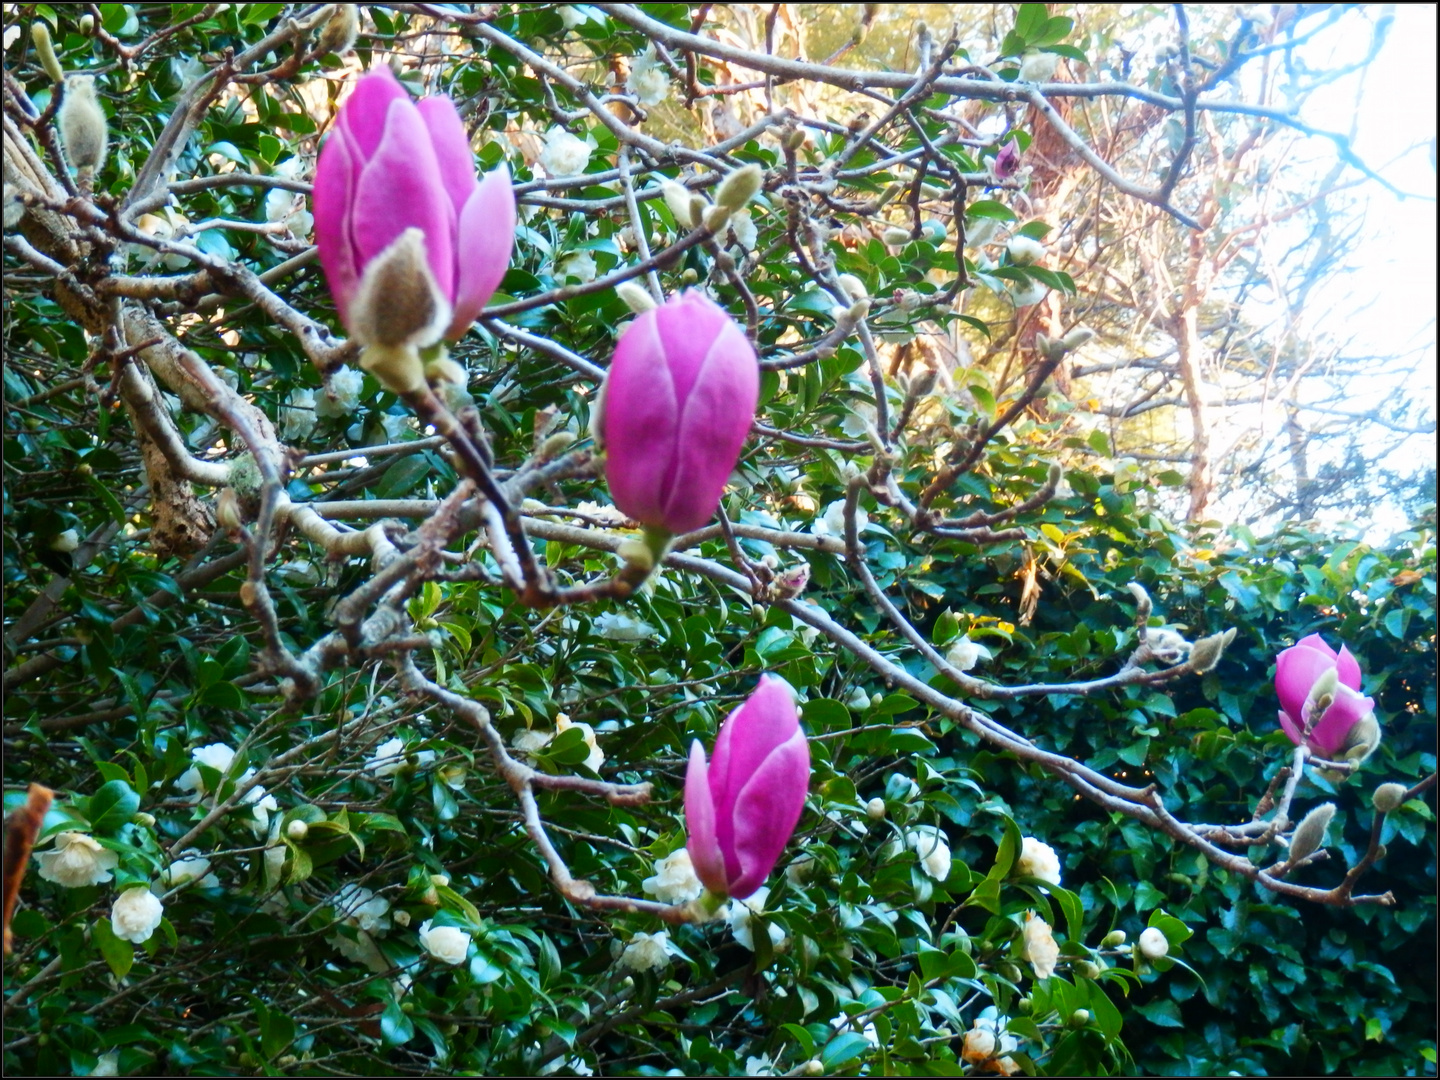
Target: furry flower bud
(82, 124)
(1310, 833)
(1388, 797)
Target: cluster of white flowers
(135, 915)
(1041, 951)
(932, 848)
(965, 654)
(390, 757)
(77, 860)
(1038, 860)
(219, 757)
(341, 395)
(448, 944)
(674, 881)
(288, 207)
(361, 908)
(297, 415)
(647, 952)
(617, 626)
(564, 154)
(648, 81)
(741, 916)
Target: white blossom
(341, 395)
(572, 15)
(359, 907)
(1036, 66)
(832, 521)
(741, 916)
(596, 757)
(363, 950)
(616, 626)
(647, 952)
(390, 757)
(648, 81)
(1041, 951)
(1038, 860)
(861, 418)
(1025, 250)
(674, 881)
(564, 153)
(135, 915)
(579, 265)
(68, 540)
(217, 756)
(743, 228)
(274, 857)
(932, 848)
(841, 1022)
(76, 861)
(1031, 292)
(1153, 943)
(297, 417)
(578, 1065)
(447, 944)
(988, 1038)
(108, 1064)
(760, 1066)
(397, 424)
(288, 207)
(859, 700)
(191, 866)
(261, 804)
(530, 742)
(965, 654)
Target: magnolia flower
(1038, 860)
(135, 915)
(1040, 949)
(647, 952)
(843, 1021)
(674, 881)
(1320, 701)
(616, 626)
(932, 848)
(297, 417)
(77, 861)
(1025, 250)
(447, 944)
(359, 907)
(965, 654)
(648, 81)
(1153, 943)
(341, 395)
(742, 913)
(564, 153)
(596, 757)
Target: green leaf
(1031, 21)
(117, 953)
(844, 1048)
(112, 806)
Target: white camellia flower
(741, 915)
(564, 153)
(674, 881)
(217, 756)
(832, 521)
(1025, 250)
(1041, 951)
(448, 944)
(860, 419)
(615, 626)
(261, 805)
(1030, 293)
(596, 757)
(288, 207)
(932, 848)
(647, 952)
(571, 16)
(1038, 860)
(297, 418)
(841, 1022)
(648, 81)
(135, 915)
(578, 1065)
(743, 227)
(361, 908)
(530, 742)
(1153, 943)
(191, 866)
(579, 265)
(1036, 66)
(390, 757)
(363, 950)
(989, 1038)
(108, 1064)
(965, 654)
(76, 861)
(68, 540)
(759, 1066)
(341, 395)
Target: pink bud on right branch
(1320, 701)
(678, 403)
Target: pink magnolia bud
(679, 400)
(1007, 160)
(392, 165)
(1309, 719)
(742, 806)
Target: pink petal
(364, 113)
(766, 810)
(1328, 736)
(1296, 670)
(704, 851)
(641, 414)
(335, 176)
(452, 149)
(1348, 668)
(487, 235)
(1291, 728)
(400, 187)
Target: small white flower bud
(556, 444)
(297, 830)
(716, 216)
(440, 880)
(1080, 1017)
(1388, 797)
(82, 124)
(45, 49)
(1153, 943)
(68, 540)
(739, 187)
(142, 818)
(875, 809)
(637, 298)
(854, 287)
(896, 236)
(1310, 833)
(87, 25)
(1113, 939)
(814, 1067)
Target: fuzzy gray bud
(1388, 797)
(45, 49)
(1310, 833)
(636, 298)
(854, 288)
(1206, 652)
(1143, 606)
(444, 370)
(1077, 337)
(896, 236)
(1363, 739)
(678, 199)
(398, 302)
(82, 124)
(340, 30)
(739, 187)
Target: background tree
(367, 740)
